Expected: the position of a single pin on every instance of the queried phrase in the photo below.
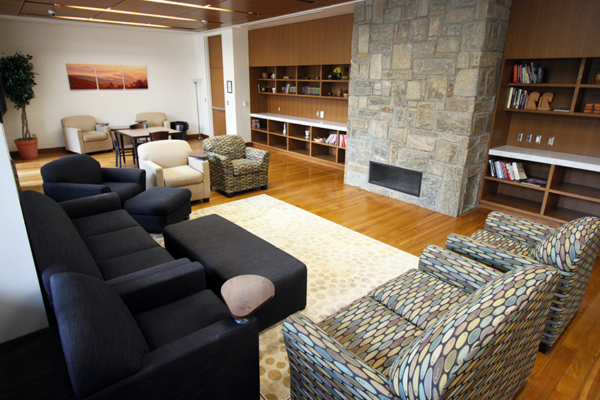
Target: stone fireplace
(422, 89)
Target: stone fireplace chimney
(423, 82)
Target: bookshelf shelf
(543, 85)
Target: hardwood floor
(570, 371)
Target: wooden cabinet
(567, 153)
(300, 136)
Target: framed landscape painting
(135, 77)
(82, 76)
(109, 76)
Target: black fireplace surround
(395, 178)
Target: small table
(135, 134)
(245, 294)
(201, 156)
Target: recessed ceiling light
(105, 21)
(207, 7)
(108, 10)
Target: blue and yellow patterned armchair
(452, 328)
(235, 167)
(572, 249)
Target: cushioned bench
(227, 250)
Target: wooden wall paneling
(216, 88)
(553, 29)
(219, 125)
(501, 120)
(258, 102)
(335, 110)
(571, 134)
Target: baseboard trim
(15, 153)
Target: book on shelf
(507, 170)
(332, 139)
(342, 140)
(517, 98)
(535, 182)
(528, 73)
(311, 90)
(255, 123)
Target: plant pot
(28, 149)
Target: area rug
(343, 265)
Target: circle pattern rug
(342, 265)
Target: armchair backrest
(495, 332)
(166, 153)
(86, 123)
(77, 168)
(152, 118)
(101, 340)
(231, 146)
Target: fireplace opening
(395, 178)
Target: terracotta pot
(28, 149)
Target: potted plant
(18, 79)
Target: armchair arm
(159, 285)
(204, 167)
(517, 228)
(493, 256)
(455, 269)
(258, 154)
(73, 139)
(310, 348)
(62, 191)
(128, 175)
(92, 205)
(220, 165)
(180, 369)
(154, 173)
(167, 124)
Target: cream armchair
(82, 135)
(154, 119)
(167, 163)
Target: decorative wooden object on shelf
(532, 101)
(545, 101)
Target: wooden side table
(201, 156)
(245, 294)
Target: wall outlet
(245, 103)
(278, 108)
(322, 114)
(551, 141)
(538, 139)
(528, 138)
(317, 114)
(519, 137)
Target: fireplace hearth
(395, 178)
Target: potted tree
(18, 79)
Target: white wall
(235, 69)
(170, 58)
(21, 305)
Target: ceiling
(187, 15)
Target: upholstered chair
(153, 119)
(167, 163)
(80, 175)
(451, 329)
(572, 249)
(82, 136)
(235, 167)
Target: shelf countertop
(548, 157)
(318, 123)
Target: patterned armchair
(235, 167)
(451, 328)
(509, 242)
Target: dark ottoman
(158, 207)
(227, 250)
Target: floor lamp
(196, 82)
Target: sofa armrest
(92, 205)
(62, 191)
(306, 343)
(154, 173)
(455, 269)
(159, 285)
(167, 124)
(128, 175)
(179, 370)
(258, 154)
(517, 228)
(493, 256)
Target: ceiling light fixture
(125, 12)
(105, 21)
(208, 7)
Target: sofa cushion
(101, 340)
(246, 166)
(55, 243)
(94, 136)
(373, 332)
(125, 190)
(119, 243)
(178, 319)
(183, 175)
(503, 242)
(99, 224)
(78, 168)
(565, 248)
(133, 262)
(419, 297)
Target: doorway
(217, 85)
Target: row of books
(311, 90)
(510, 171)
(290, 88)
(255, 123)
(517, 98)
(528, 73)
(333, 139)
